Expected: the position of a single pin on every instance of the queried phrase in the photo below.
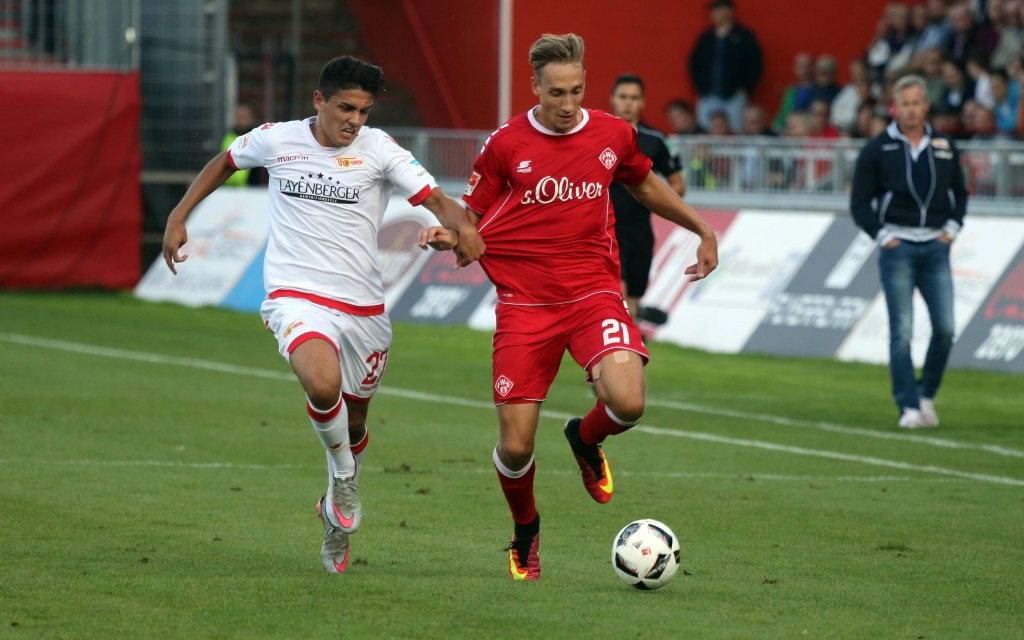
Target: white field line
(417, 395)
(674, 475)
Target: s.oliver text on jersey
(550, 189)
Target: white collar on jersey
(539, 127)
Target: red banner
(70, 203)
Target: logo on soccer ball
(503, 386)
(608, 158)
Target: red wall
(461, 42)
(70, 205)
(652, 38)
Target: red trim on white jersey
(231, 160)
(309, 335)
(337, 305)
(357, 399)
(421, 195)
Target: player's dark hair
(629, 78)
(347, 72)
(565, 49)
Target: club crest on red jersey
(608, 158)
(503, 386)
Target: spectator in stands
(862, 127)
(912, 203)
(755, 122)
(984, 124)
(1005, 103)
(797, 96)
(957, 90)
(681, 119)
(1011, 35)
(894, 40)
(937, 31)
(966, 37)
(819, 123)
(850, 97)
(929, 61)
(977, 71)
(719, 124)
(725, 65)
(246, 119)
(826, 85)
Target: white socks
(332, 428)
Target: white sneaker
(928, 416)
(911, 419)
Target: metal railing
(766, 171)
(760, 171)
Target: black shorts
(636, 252)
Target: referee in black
(632, 220)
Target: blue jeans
(924, 265)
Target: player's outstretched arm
(461, 228)
(657, 196)
(214, 174)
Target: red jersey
(547, 218)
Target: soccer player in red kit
(539, 197)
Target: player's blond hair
(564, 49)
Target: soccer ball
(645, 554)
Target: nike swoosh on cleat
(344, 563)
(344, 522)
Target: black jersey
(630, 215)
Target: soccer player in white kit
(330, 181)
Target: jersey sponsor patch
(944, 155)
(417, 169)
(608, 158)
(503, 386)
(245, 142)
(939, 143)
(473, 181)
(350, 162)
(890, 147)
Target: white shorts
(362, 342)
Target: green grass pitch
(158, 476)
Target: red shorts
(529, 342)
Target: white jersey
(326, 206)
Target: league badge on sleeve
(473, 180)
